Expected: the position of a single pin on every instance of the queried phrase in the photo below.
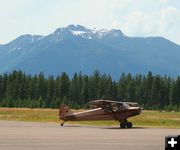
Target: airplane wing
(109, 105)
(103, 103)
(112, 105)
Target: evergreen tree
(155, 97)
(64, 85)
(94, 84)
(1, 87)
(176, 92)
(131, 90)
(154, 92)
(85, 90)
(122, 87)
(75, 88)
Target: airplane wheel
(123, 125)
(62, 124)
(129, 125)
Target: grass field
(146, 119)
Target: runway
(47, 136)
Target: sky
(133, 17)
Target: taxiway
(47, 136)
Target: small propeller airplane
(104, 110)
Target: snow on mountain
(81, 31)
(78, 32)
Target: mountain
(76, 48)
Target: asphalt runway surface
(48, 136)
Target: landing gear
(122, 125)
(125, 124)
(129, 125)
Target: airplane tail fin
(64, 110)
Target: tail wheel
(62, 123)
(129, 125)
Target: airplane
(104, 110)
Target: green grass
(160, 119)
(30, 115)
(146, 119)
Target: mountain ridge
(76, 48)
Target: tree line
(18, 89)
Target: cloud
(160, 20)
(133, 17)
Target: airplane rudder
(64, 110)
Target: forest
(18, 89)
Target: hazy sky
(133, 17)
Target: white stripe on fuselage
(91, 110)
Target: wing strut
(114, 114)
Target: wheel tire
(129, 125)
(62, 124)
(123, 125)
